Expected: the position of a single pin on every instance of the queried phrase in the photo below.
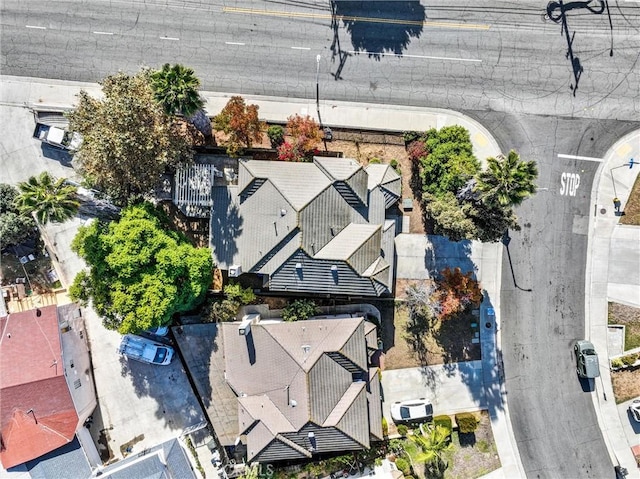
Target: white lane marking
(103, 33)
(451, 59)
(234, 43)
(35, 27)
(575, 157)
(569, 183)
(306, 48)
(170, 38)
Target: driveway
(451, 388)
(137, 403)
(631, 428)
(141, 405)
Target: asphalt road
(502, 57)
(551, 410)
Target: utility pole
(318, 58)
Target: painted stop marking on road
(569, 183)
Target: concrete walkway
(613, 274)
(614, 251)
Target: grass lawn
(632, 208)
(630, 318)
(626, 384)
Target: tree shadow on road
(375, 28)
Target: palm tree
(507, 181)
(176, 89)
(47, 198)
(434, 445)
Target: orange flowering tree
(457, 291)
(240, 123)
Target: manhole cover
(603, 211)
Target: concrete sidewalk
(613, 274)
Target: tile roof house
(299, 388)
(46, 382)
(316, 227)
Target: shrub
(403, 466)
(396, 166)
(410, 136)
(467, 422)
(237, 293)
(375, 161)
(299, 310)
(417, 150)
(617, 363)
(385, 427)
(444, 421)
(403, 430)
(291, 151)
(483, 446)
(629, 359)
(276, 135)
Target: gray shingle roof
(337, 168)
(323, 210)
(165, 461)
(347, 242)
(68, 461)
(287, 177)
(290, 375)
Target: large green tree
(140, 273)
(128, 139)
(47, 198)
(507, 181)
(176, 88)
(449, 163)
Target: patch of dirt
(632, 208)
(478, 458)
(195, 229)
(626, 384)
(37, 275)
(127, 447)
(274, 302)
(630, 318)
(400, 355)
(446, 342)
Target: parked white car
(634, 409)
(413, 410)
(145, 350)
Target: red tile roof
(32, 379)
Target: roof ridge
(293, 445)
(336, 414)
